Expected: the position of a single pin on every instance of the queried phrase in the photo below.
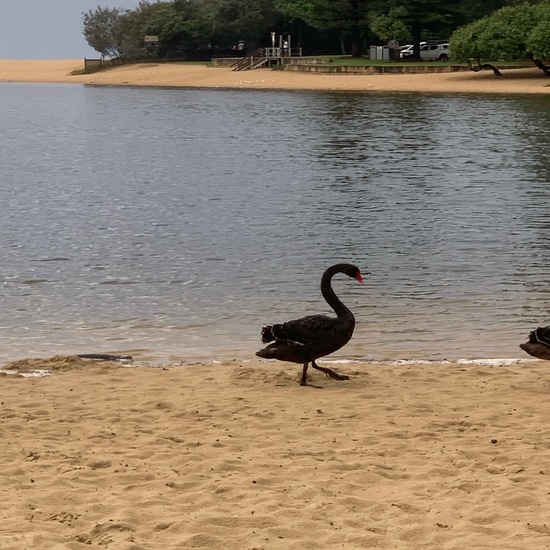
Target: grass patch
(347, 61)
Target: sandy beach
(513, 81)
(238, 455)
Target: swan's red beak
(359, 277)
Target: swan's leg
(303, 381)
(329, 372)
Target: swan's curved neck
(330, 296)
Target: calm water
(178, 221)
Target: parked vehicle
(437, 50)
(405, 51)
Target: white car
(406, 51)
(429, 51)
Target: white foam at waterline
(503, 362)
(492, 362)
(38, 373)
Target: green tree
(121, 33)
(511, 33)
(226, 22)
(538, 40)
(467, 11)
(295, 9)
(390, 25)
(176, 25)
(130, 28)
(293, 18)
(417, 20)
(99, 32)
(347, 18)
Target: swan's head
(352, 271)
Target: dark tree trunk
(356, 46)
(415, 32)
(544, 68)
(356, 40)
(343, 45)
(481, 66)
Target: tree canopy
(511, 33)
(514, 31)
(349, 18)
(228, 22)
(416, 20)
(99, 30)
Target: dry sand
(520, 81)
(239, 456)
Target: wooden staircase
(258, 58)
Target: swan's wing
(306, 330)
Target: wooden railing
(257, 59)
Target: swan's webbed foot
(329, 372)
(335, 376)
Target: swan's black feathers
(309, 338)
(313, 328)
(540, 335)
(538, 344)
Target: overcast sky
(48, 29)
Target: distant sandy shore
(513, 81)
(237, 455)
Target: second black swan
(538, 344)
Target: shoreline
(179, 75)
(184, 357)
(38, 367)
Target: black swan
(306, 339)
(538, 344)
